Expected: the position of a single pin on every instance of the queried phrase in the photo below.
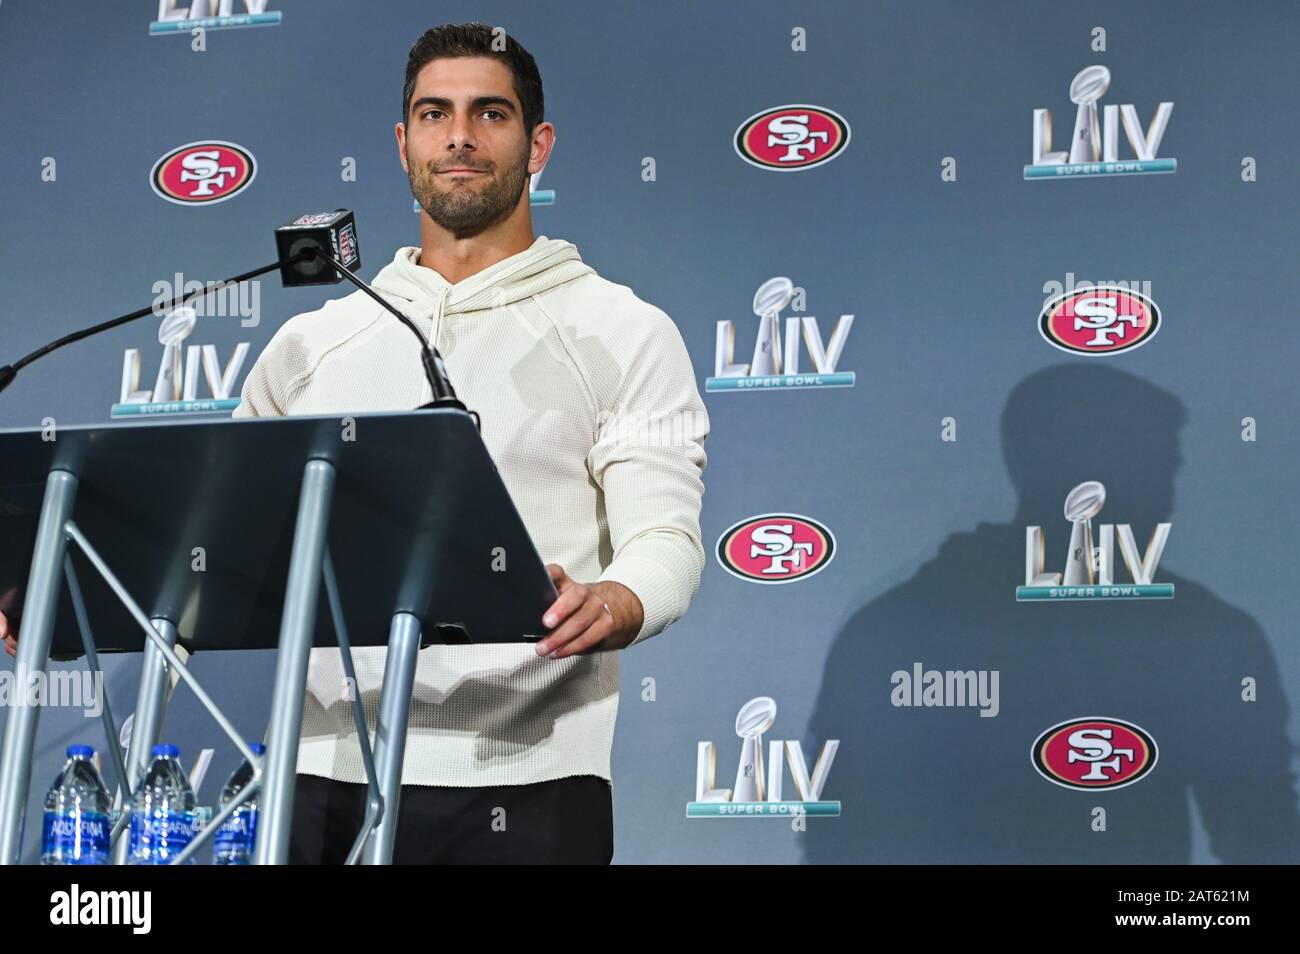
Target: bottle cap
(81, 751)
(166, 751)
(258, 748)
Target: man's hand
(10, 638)
(593, 617)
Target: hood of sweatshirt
(543, 265)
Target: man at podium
(591, 413)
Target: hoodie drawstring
(437, 317)
(437, 325)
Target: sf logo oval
(201, 173)
(1102, 320)
(1094, 753)
(789, 138)
(775, 548)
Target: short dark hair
(475, 39)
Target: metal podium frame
(443, 440)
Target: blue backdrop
(963, 425)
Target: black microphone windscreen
(332, 232)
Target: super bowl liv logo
(175, 392)
(772, 366)
(538, 196)
(758, 791)
(1094, 148)
(211, 15)
(1090, 571)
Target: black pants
(562, 821)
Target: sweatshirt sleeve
(648, 459)
(258, 396)
(277, 373)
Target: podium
(219, 535)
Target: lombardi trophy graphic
(1082, 504)
(174, 329)
(773, 295)
(1085, 90)
(753, 719)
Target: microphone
(318, 232)
(308, 247)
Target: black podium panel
(419, 520)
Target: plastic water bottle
(76, 827)
(233, 843)
(163, 819)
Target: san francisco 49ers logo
(1103, 320)
(787, 138)
(200, 173)
(1094, 753)
(775, 548)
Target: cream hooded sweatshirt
(591, 413)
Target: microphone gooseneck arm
(9, 371)
(434, 369)
(443, 393)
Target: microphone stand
(434, 369)
(10, 371)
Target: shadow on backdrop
(945, 785)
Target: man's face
(464, 146)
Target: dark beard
(463, 210)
